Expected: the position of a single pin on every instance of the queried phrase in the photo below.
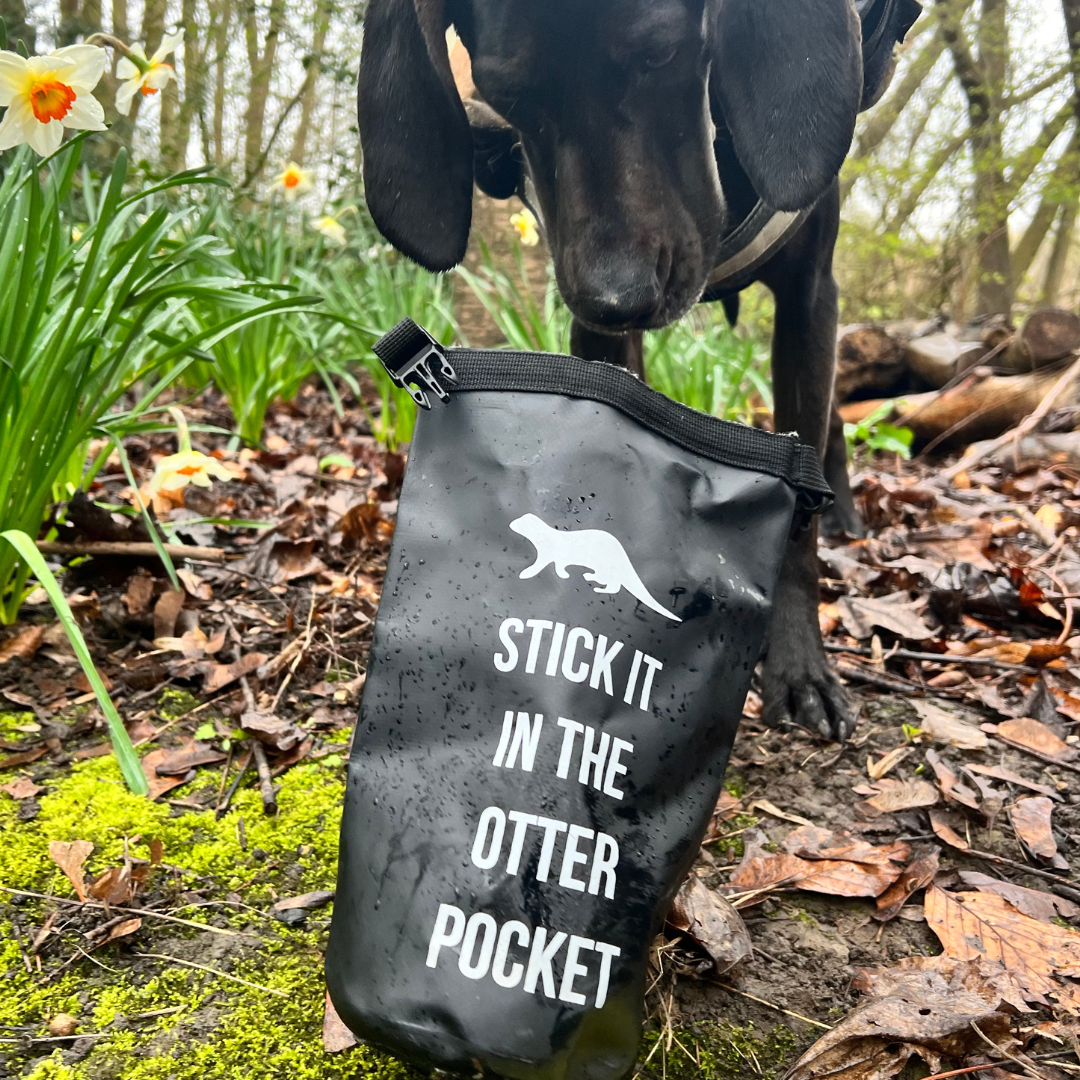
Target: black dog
(675, 150)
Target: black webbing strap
(782, 456)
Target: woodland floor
(198, 952)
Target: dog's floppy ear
(787, 76)
(418, 152)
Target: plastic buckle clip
(408, 352)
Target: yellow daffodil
(46, 94)
(142, 75)
(292, 180)
(331, 228)
(525, 224)
(188, 467)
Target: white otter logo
(601, 553)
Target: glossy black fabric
(496, 484)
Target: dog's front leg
(623, 350)
(799, 686)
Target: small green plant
(125, 753)
(86, 316)
(876, 435)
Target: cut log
(1046, 336)
(982, 406)
(868, 361)
(937, 358)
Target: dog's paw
(802, 690)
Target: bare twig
(266, 781)
(1027, 1066)
(1029, 423)
(934, 658)
(212, 971)
(786, 1012)
(133, 549)
(145, 912)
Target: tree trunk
(312, 68)
(1059, 188)
(1059, 254)
(174, 136)
(262, 68)
(220, 17)
(13, 12)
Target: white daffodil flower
(45, 94)
(292, 180)
(145, 76)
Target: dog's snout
(618, 294)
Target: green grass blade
(121, 742)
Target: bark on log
(936, 358)
(1046, 336)
(868, 360)
(982, 406)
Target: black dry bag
(576, 597)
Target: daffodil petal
(44, 65)
(13, 130)
(89, 61)
(45, 139)
(157, 78)
(138, 51)
(13, 76)
(169, 43)
(85, 114)
(124, 93)
(126, 69)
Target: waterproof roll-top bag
(576, 597)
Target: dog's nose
(617, 296)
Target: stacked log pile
(954, 385)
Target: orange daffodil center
(50, 99)
(142, 76)
(45, 94)
(292, 180)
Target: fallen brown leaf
(189, 756)
(914, 975)
(335, 1035)
(70, 855)
(123, 929)
(140, 591)
(895, 612)
(943, 727)
(876, 1040)
(23, 757)
(161, 784)
(166, 612)
(949, 782)
(814, 842)
(23, 645)
(1031, 735)
(269, 729)
(943, 830)
(886, 763)
(1039, 905)
(893, 795)
(23, 788)
(1031, 821)
(114, 886)
(220, 675)
(976, 924)
(915, 876)
(201, 590)
(306, 901)
(999, 772)
(712, 922)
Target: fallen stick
(131, 549)
(150, 913)
(1028, 424)
(212, 971)
(762, 1001)
(222, 808)
(1062, 888)
(1035, 753)
(266, 781)
(936, 658)
(880, 679)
